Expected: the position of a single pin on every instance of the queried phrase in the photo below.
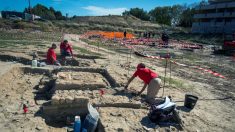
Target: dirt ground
(214, 110)
(18, 88)
(78, 78)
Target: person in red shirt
(51, 56)
(150, 79)
(66, 49)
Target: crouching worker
(150, 79)
(66, 49)
(51, 56)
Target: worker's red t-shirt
(51, 54)
(67, 48)
(145, 74)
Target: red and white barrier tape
(183, 65)
(210, 71)
(179, 44)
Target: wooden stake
(170, 74)
(119, 53)
(164, 79)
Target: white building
(31, 17)
(217, 17)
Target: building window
(219, 20)
(228, 21)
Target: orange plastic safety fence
(110, 35)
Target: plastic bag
(91, 120)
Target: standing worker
(149, 34)
(124, 34)
(150, 79)
(165, 39)
(51, 56)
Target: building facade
(217, 17)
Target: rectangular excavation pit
(74, 102)
(81, 98)
(83, 78)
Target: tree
(176, 12)
(59, 15)
(161, 15)
(26, 10)
(74, 17)
(186, 19)
(52, 10)
(126, 13)
(169, 15)
(138, 13)
(46, 13)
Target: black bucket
(190, 101)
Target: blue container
(77, 124)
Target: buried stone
(81, 98)
(64, 106)
(116, 101)
(68, 100)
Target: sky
(92, 7)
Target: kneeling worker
(51, 56)
(150, 79)
(66, 49)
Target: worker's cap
(140, 65)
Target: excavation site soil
(98, 73)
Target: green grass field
(20, 39)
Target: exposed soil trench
(51, 104)
(55, 96)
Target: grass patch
(85, 51)
(198, 38)
(22, 35)
(189, 58)
(97, 44)
(21, 39)
(108, 45)
(101, 45)
(19, 44)
(175, 82)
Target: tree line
(44, 12)
(177, 15)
